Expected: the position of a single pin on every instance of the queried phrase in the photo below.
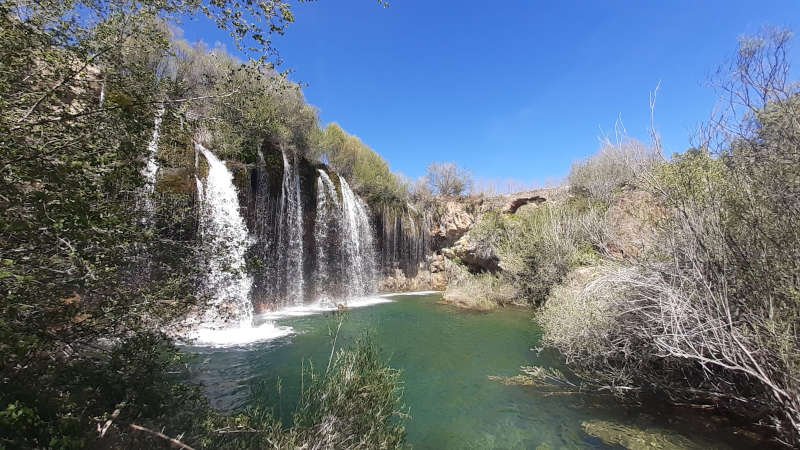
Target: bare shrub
(448, 180)
(575, 323)
(616, 166)
(711, 318)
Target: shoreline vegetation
(674, 277)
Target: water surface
(446, 356)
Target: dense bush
(91, 268)
(536, 249)
(711, 316)
(481, 292)
(543, 244)
(355, 403)
(368, 173)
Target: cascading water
(325, 228)
(403, 240)
(290, 233)
(151, 167)
(150, 170)
(357, 244)
(225, 241)
(316, 252)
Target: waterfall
(326, 226)
(264, 219)
(151, 167)
(102, 92)
(357, 244)
(290, 233)
(144, 198)
(225, 241)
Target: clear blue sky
(512, 89)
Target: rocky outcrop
(517, 202)
(454, 220)
(511, 203)
(475, 255)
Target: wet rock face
(431, 278)
(178, 180)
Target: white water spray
(149, 171)
(291, 232)
(325, 227)
(357, 242)
(151, 167)
(229, 319)
(225, 240)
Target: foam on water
(236, 337)
(322, 306)
(267, 331)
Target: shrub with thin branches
(613, 168)
(448, 180)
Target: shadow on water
(447, 356)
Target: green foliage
(89, 271)
(547, 242)
(694, 176)
(355, 403)
(536, 247)
(368, 173)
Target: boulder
(474, 255)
